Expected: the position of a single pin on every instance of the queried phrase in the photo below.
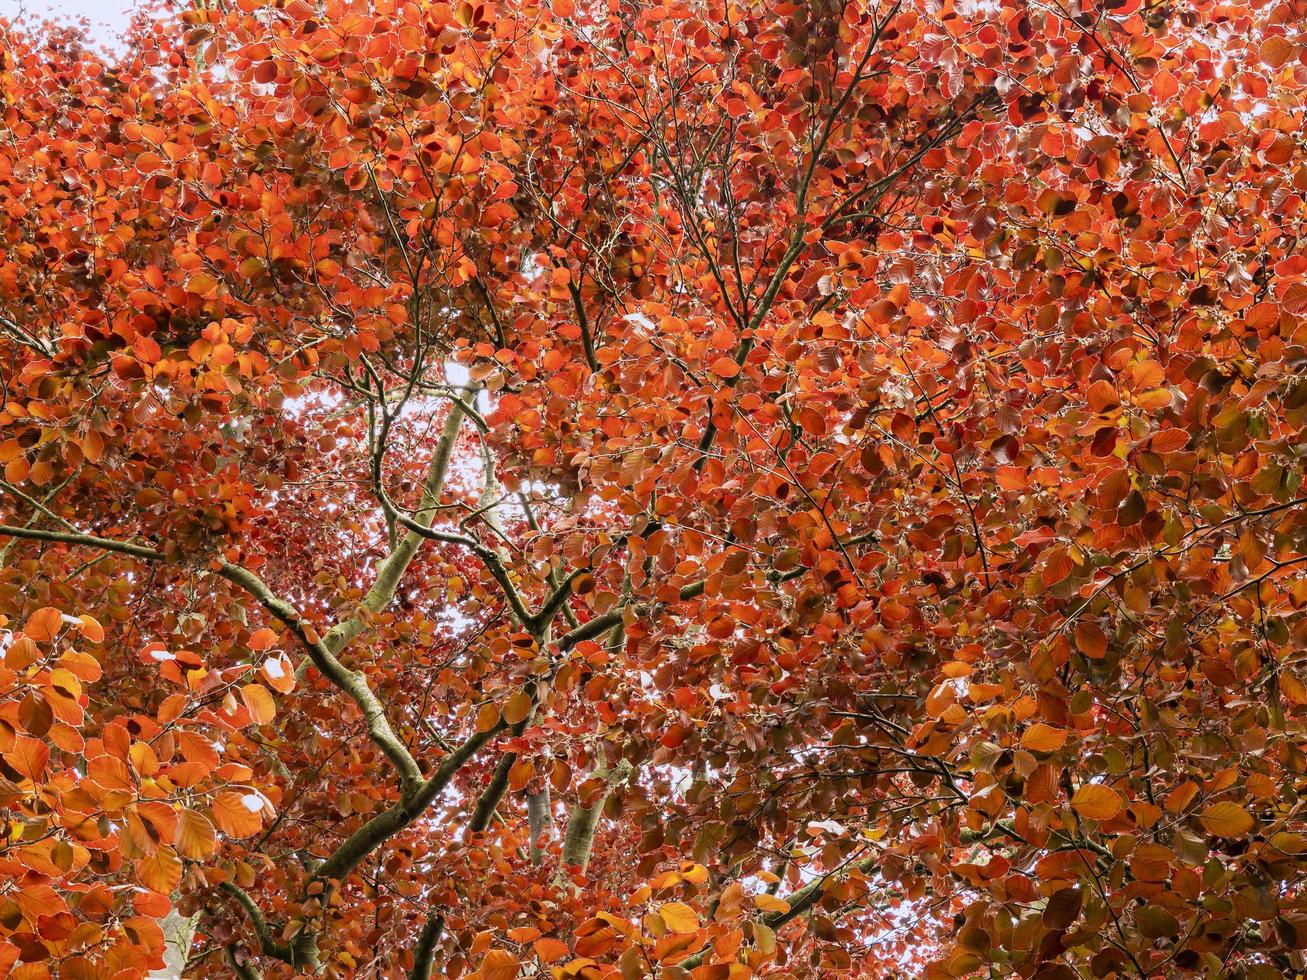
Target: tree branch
(392, 569)
(391, 821)
(87, 540)
(583, 822)
(243, 968)
(425, 948)
(351, 683)
(799, 902)
(268, 944)
(539, 820)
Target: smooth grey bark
(540, 821)
(583, 822)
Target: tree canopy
(655, 488)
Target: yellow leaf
(679, 917)
(1096, 802)
(696, 874)
(1289, 843)
(499, 964)
(1226, 820)
(1043, 738)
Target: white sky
(107, 17)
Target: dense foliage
(594, 488)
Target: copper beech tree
(655, 488)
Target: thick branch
(425, 949)
(583, 822)
(88, 540)
(391, 571)
(539, 821)
(489, 557)
(351, 683)
(268, 944)
(241, 965)
(799, 902)
(582, 321)
(391, 821)
(498, 785)
(494, 791)
(808, 896)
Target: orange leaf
(499, 964)
(1090, 641)
(487, 717)
(1181, 796)
(1096, 802)
(196, 838)
(110, 773)
(1058, 568)
(679, 917)
(161, 871)
(549, 950)
(770, 903)
(171, 709)
(28, 756)
(44, 624)
(1275, 51)
(93, 446)
(517, 708)
(91, 629)
(725, 367)
(238, 814)
(279, 673)
(1043, 738)
(262, 639)
(1227, 820)
(259, 703)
